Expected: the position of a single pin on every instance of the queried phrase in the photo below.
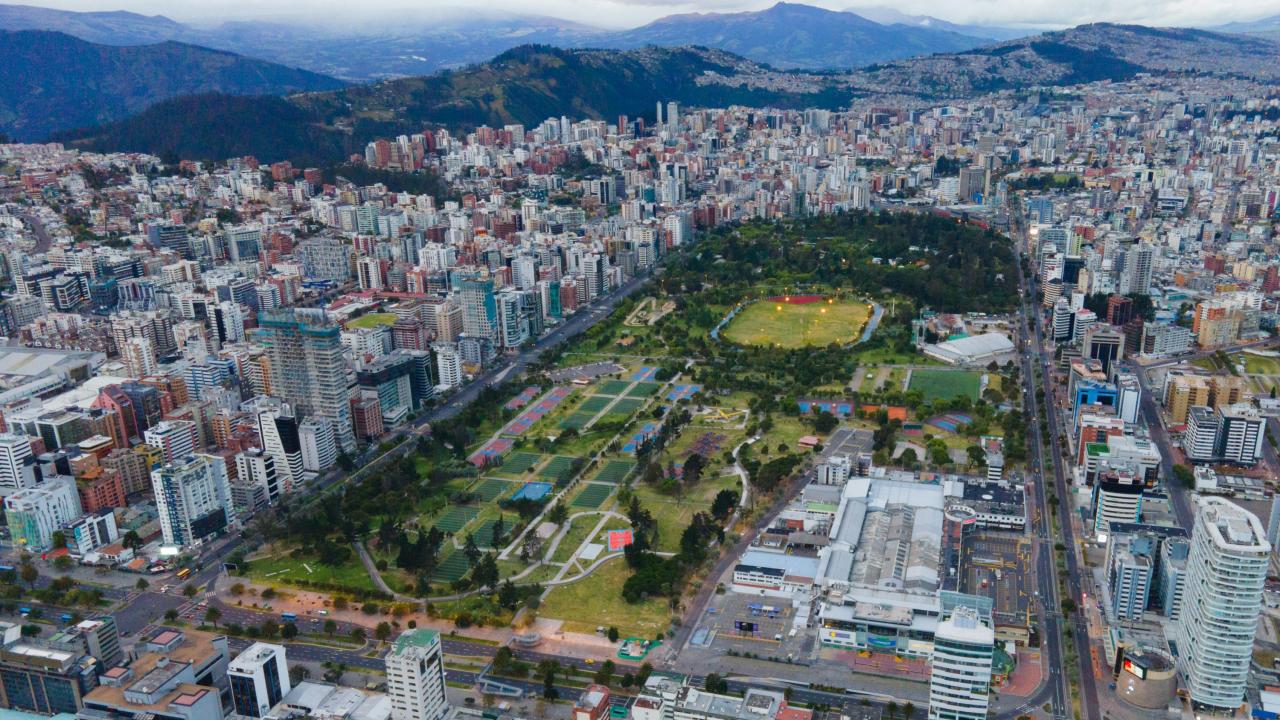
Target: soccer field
(945, 384)
(793, 325)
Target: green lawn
(451, 567)
(597, 601)
(792, 326)
(518, 463)
(576, 421)
(491, 488)
(644, 389)
(1261, 364)
(370, 320)
(945, 384)
(284, 569)
(557, 469)
(595, 404)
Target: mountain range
(530, 83)
(53, 81)
(787, 35)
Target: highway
(1046, 570)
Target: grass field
(945, 384)
(1261, 364)
(792, 326)
(371, 320)
(615, 471)
(282, 568)
(592, 497)
(596, 601)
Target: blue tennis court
(533, 491)
(644, 374)
(647, 430)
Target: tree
(190, 590)
(908, 710)
(171, 614)
(358, 634)
(613, 634)
(471, 550)
(725, 501)
(977, 456)
(891, 709)
(383, 631)
(59, 539)
(825, 422)
(1184, 475)
(485, 573)
(29, 574)
(142, 584)
(558, 514)
(213, 615)
(716, 684)
(63, 563)
(288, 631)
(549, 690)
(604, 675)
(132, 540)
(330, 627)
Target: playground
(799, 321)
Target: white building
(255, 467)
(1226, 570)
(960, 682)
(415, 677)
(193, 497)
(278, 431)
(175, 438)
(319, 445)
(36, 513)
(17, 469)
(259, 679)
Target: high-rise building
(960, 681)
(255, 467)
(319, 448)
(259, 679)
(193, 497)
(17, 465)
(1226, 571)
(308, 369)
(415, 676)
(175, 438)
(36, 513)
(278, 430)
(479, 308)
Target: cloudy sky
(627, 13)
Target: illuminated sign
(1135, 669)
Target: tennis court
(491, 488)
(595, 404)
(615, 471)
(626, 406)
(643, 389)
(484, 533)
(452, 567)
(558, 468)
(613, 387)
(576, 421)
(592, 496)
(519, 463)
(456, 518)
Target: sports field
(799, 322)
(372, 320)
(945, 384)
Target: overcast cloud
(628, 13)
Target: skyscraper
(1226, 570)
(479, 309)
(193, 497)
(415, 677)
(17, 468)
(307, 367)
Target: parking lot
(760, 625)
(993, 564)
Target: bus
(288, 616)
(184, 573)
